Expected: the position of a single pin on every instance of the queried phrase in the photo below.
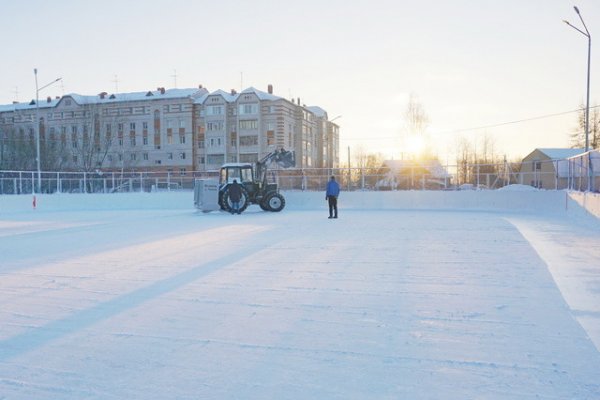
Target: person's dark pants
(332, 206)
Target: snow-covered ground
(417, 295)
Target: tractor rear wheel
(226, 201)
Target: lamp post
(587, 105)
(37, 126)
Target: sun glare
(415, 145)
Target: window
(157, 162)
(248, 140)
(246, 109)
(145, 126)
(132, 127)
(249, 124)
(182, 155)
(145, 140)
(248, 158)
(133, 157)
(145, 156)
(170, 156)
(270, 138)
(201, 141)
(214, 110)
(215, 126)
(132, 141)
(217, 159)
(182, 139)
(182, 171)
(156, 122)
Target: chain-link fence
(578, 173)
(584, 172)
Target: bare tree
(415, 117)
(416, 123)
(577, 137)
(464, 156)
(17, 150)
(368, 166)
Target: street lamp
(37, 126)
(587, 106)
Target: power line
(518, 121)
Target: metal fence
(552, 175)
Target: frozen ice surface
(169, 303)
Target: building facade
(177, 130)
(547, 168)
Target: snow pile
(518, 188)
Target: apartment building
(178, 130)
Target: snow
(517, 187)
(415, 295)
(561, 153)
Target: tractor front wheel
(274, 202)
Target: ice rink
(386, 302)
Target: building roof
(109, 98)
(233, 97)
(260, 94)
(318, 111)
(559, 154)
(27, 106)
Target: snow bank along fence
(581, 173)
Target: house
(547, 168)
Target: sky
(474, 66)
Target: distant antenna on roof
(116, 82)
(174, 76)
(241, 81)
(16, 92)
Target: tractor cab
(243, 173)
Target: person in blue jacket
(331, 195)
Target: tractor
(253, 180)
